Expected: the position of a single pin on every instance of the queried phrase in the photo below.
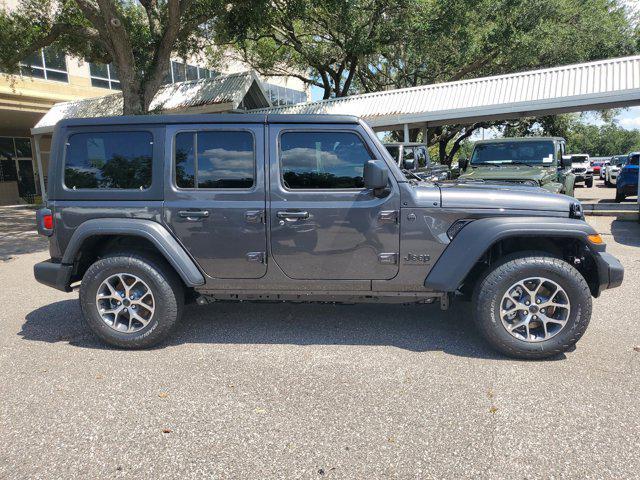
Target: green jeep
(535, 161)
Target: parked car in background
(627, 182)
(596, 165)
(611, 171)
(599, 165)
(534, 161)
(582, 169)
(414, 157)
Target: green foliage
(324, 42)
(452, 40)
(138, 37)
(602, 141)
(349, 46)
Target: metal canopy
(586, 86)
(220, 94)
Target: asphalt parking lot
(311, 391)
(600, 193)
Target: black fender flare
(154, 232)
(475, 238)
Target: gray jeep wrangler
(145, 213)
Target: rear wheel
(588, 182)
(532, 306)
(131, 300)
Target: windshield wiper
(487, 163)
(409, 172)
(522, 163)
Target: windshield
(633, 159)
(528, 153)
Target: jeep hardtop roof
(520, 139)
(207, 118)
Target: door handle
(193, 215)
(288, 215)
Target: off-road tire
(588, 182)
(167, 289)
(491, 288)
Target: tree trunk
(133, 100)
(442, 150)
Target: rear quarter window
(119, 160)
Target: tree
(324, 42)
(518, 35)
(602, 141)
(138, 37)
(360, 46)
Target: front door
(215, 200)
(324, 224)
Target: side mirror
(566, 162)
(463, 163)
(376, 176)
(409, 164)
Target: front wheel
(588, 182)
(532, 306)
(131, 300)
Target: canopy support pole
(36, 143)
(405, 136)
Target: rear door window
(215, 159)
(109, 160)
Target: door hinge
(388, 216)
(388, 258)
(256, 257)
(254, 216)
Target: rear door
(324, 224)
(215, 200)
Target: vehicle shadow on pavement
(626, 232)
(417, 328)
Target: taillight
(44, 221)
(47, 222)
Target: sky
(629, 118)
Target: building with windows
(46, 78)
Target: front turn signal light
(596, 239)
